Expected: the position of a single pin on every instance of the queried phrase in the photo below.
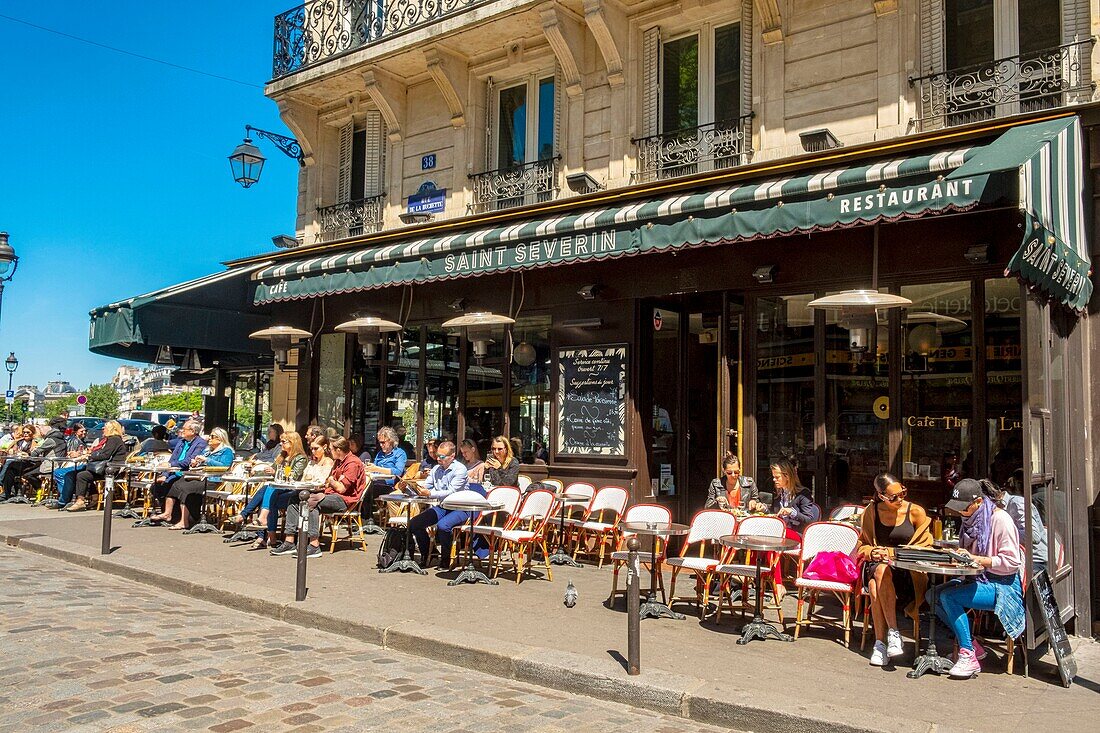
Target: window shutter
(1077, 69)
(746, 69)
(558, 104)
(651, 75)
(931, 62)
(931, 36)
(343, 171)
(374, 166)
(490, 123)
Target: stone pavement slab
(525, 632)
(139, 659)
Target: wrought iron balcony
(1053, 77)
(708, 147)
(351, 218)
(505, 188)
(322, 29)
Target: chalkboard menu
(592, 400)
(1056, 632)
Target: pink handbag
(832, 566)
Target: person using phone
(732, 490)
(502, 467)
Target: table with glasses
(470, 572)
(651, 607)
(759, 545)
(18, 495)
(127, 472)
(565, 500)
(931, 661)
(406, 563)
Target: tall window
(525, 123)
(701, 85)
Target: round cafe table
(651, 607)
(470, 573)
(931, 661)
(560, 556)
(244, 534)
(406, 562)
(758, 628)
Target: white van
(161, 416)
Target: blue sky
(115, 177)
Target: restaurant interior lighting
(524, 354)
(283, 339)
(371, 330)
(765, 274)
(925, 338)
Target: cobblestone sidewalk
(82, 651)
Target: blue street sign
(427, 200)
(10, 394)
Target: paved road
(83, 651)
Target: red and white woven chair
(826, 537)
(525, 531)
(745, 572)
(701, 553)
(601, 520)
(640, 513)
(490, 523)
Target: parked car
(93, 424)
(161, 416)
(140, 429)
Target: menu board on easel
(1056, 632)
(592, 401)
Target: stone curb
(659, 691)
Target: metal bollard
(303, 540)
(633, 603)
(108, 500)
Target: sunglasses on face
(893, 497)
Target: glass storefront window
(784, 383)
(857, 389)
(366, 405)
(664, 367)
(937, 389)
(251, 410)
(330, 382)
(403, 387)
(1004, 416)
(529, 411)
(442, 369)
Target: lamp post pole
(11, 364)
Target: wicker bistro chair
(525, 531)
(746, 572)
(826, 537)
(507, 497)
(524, 481)
(229, 494)
(640, 513)
(352, 519)
(600, 520)
(551, 484)
(707, 527)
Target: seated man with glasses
(388, 466)
(447, 477)
(889, 522)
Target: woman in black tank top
(889, 522)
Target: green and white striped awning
(1048, 160)
(840, 197)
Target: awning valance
(212, 314)
(1047, 158)
(890, 190)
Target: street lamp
(247, 161)
(11, 364)
(8, 260)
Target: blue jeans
(952, 600)
(65, 480)
(444, 522)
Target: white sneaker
(894, 647)
(878, 654)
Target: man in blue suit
(190, 445)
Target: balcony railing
(322, 29)
(1053, 77)
(694, 149)
(351, 218)
(505, 188)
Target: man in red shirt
(341, 490)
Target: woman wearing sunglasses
(889, 522)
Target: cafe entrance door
(694, 396)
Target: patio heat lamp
(479, 329)
(283, 339)
(371, 331)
